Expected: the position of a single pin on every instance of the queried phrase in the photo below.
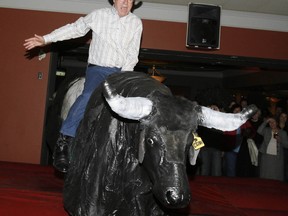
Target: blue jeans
(95, 75)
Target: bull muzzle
(173, 197)
(176, 199)
(174, 191)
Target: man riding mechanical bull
(130, 151)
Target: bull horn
(224, 121)
(134, 108)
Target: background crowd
(259, 148)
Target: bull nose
(173, 197)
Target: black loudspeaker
(203, 27)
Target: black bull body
(133, 167)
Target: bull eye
(150, 141)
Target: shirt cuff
(47, 39)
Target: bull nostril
(173, 198)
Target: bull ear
(223, 121)
(134, 108)
(141, 151)
(193, 154)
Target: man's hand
(33, 42)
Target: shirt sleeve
(73, 30)
(261, 128)
(133, 50)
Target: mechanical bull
(129, 155)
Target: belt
(92, 65)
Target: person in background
(233, 141)
(271, 152)
(211, 153)
(283, 124)
(282, 119)
(278, 111)
(244, 103)
(247, 161)
(256, 120)
(116, 36)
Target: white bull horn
(224, 121)
(134, 108)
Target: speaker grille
(203, 27)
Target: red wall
(233, 41)
(23, 96)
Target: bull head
(170, 159)
(137, 108)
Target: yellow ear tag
(197, 142)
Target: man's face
(123, 7)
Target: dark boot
(61, 153)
